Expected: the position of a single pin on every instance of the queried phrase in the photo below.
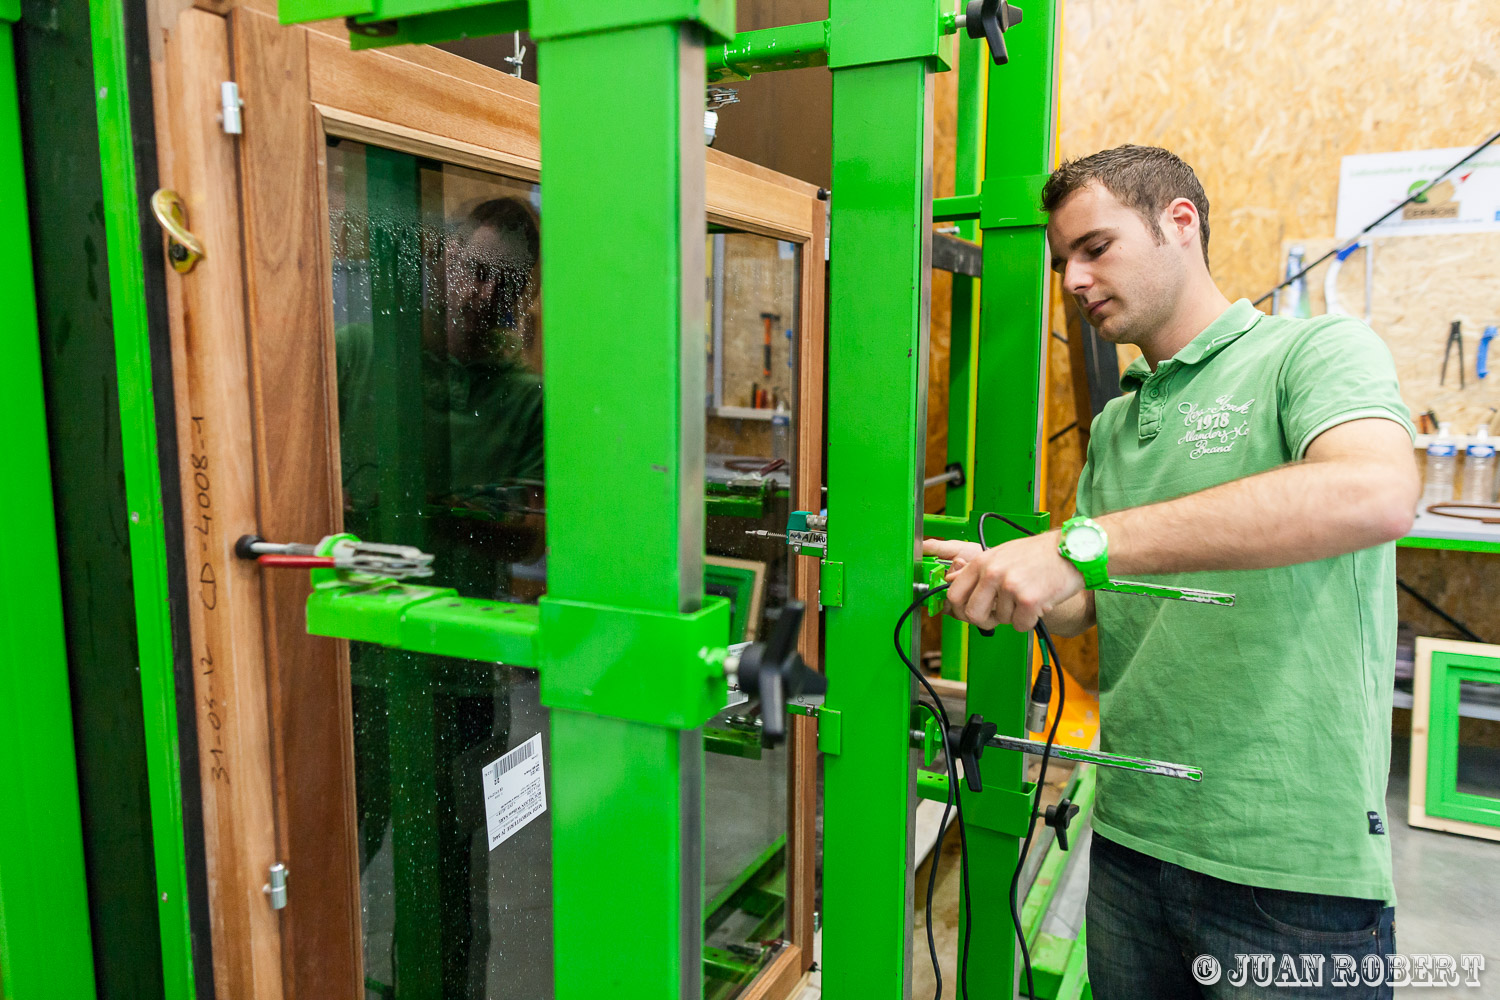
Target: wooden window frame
(256, 417)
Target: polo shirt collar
(1230, 324)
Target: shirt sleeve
(1337, 370)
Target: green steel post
(1018, 153)
(964, 325)
(882, 55)
(622, 280)
(143, 489)
(45, 948)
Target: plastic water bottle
(1294, 300)
(1442, 456)
(1479, 468)
(781, 433)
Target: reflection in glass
(439, 350)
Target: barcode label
(523, 752)
(515, 791)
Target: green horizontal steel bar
(995, 531)
(553, 19)
(734, 505)
(431, 620)
(751, 871)
(1050, 955)
(932, 785)
(368, 32)
(1075, 980)
(1049, 876)
(794, 46)
(955, 209)
(732, 743)
(724, 965)
(1450, 544)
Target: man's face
(1126, 282)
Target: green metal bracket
(732, 742)
(591, 658)
(830, 731)
(1009, 202)
(1001, 810)
(831, 584)
(967, 528)
(927, 734)
(795, 46)
(956, 209)
(907, 31)
(433, 620)
(930, 574)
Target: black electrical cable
(1415, 195)
(1039, 690)
(952, 768)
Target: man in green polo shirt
(1264, 456)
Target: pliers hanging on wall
(1455, 336)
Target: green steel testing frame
(625, 759)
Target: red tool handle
(296, 562)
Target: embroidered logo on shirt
(1212, 430)
(1376, 826)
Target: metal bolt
(177, 252)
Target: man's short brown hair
(1146, 179)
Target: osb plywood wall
(1264, 99)
(1421, 284)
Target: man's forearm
(1074, 616)
(1297, 513)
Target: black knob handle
(1058, 817)
(968, 745)
(990, 20)
(774, 671)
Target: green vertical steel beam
(45, 947)
(622, 285)
(964, 320)
(143, 489)
(1018, 149)
(879, 289)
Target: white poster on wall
(1466, 201)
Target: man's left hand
(1015, 583)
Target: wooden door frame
(256, 407)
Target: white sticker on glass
(515, 791)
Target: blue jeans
(1149, 923)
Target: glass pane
(437, 335)
(1478, 771)
(439, 357)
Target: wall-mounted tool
(1332, 305)
(768, 319)
(1482, 363)
(346, 553)
(1455, 337)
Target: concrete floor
(1448, 888)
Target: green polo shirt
(1284, 700)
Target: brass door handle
(183, 248)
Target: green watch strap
(1095, 570)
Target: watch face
(1084, 542)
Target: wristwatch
(1084, 544)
